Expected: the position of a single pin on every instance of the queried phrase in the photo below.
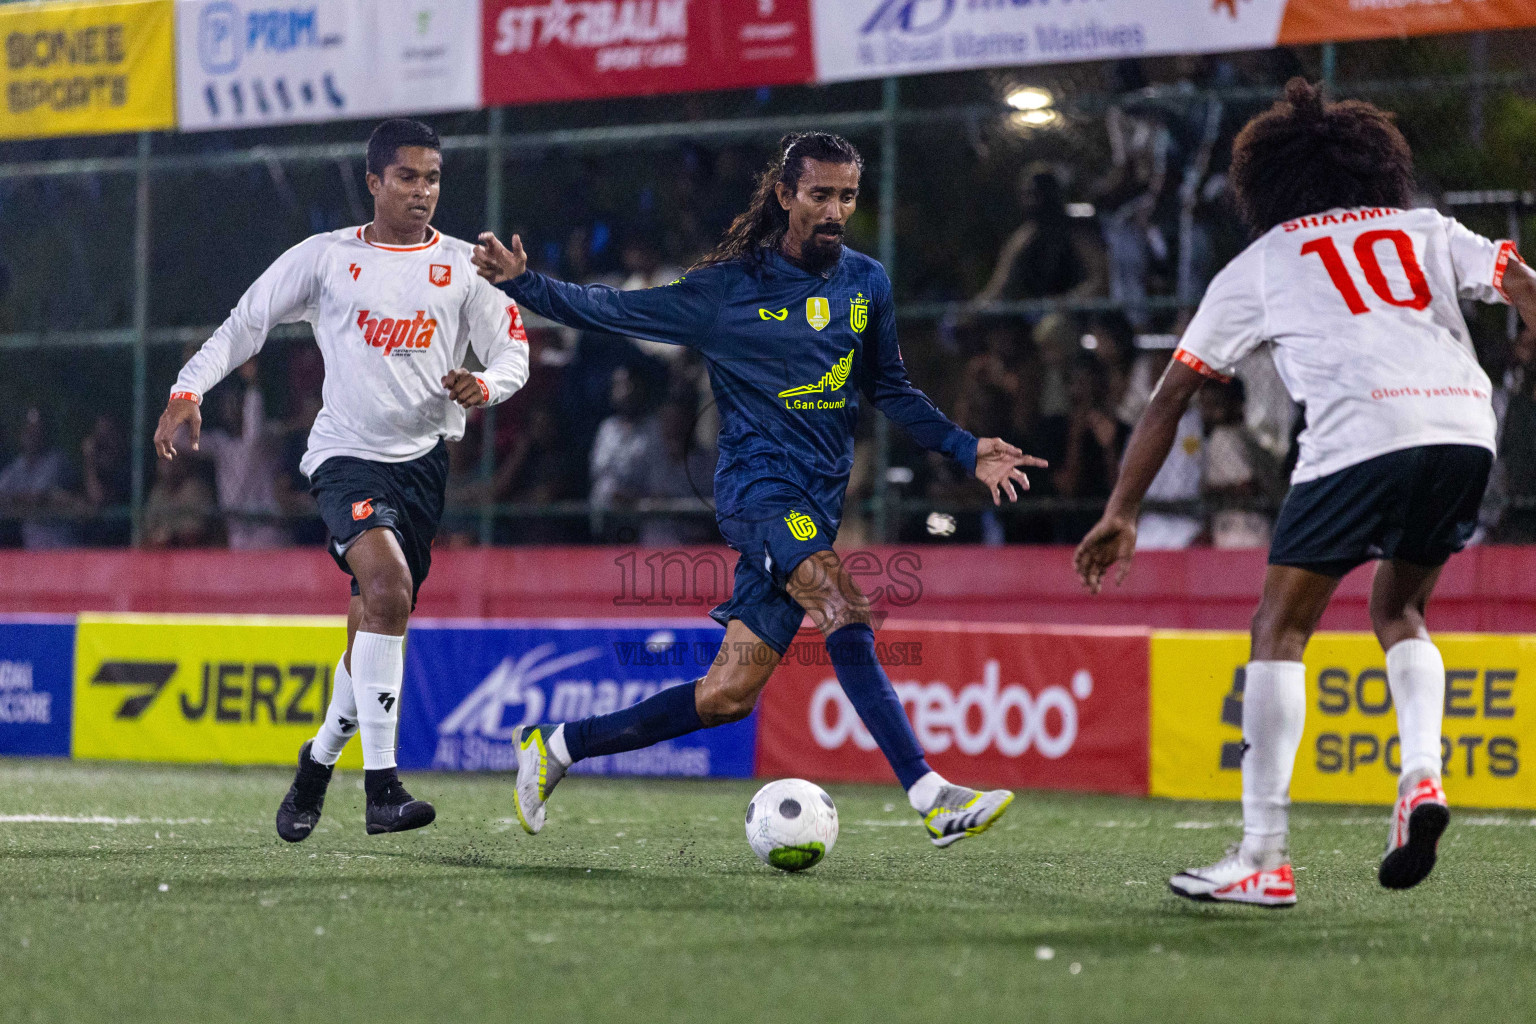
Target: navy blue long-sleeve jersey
(783, 347)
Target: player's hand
(179, 412)
(1112, 540)
(464, 388)
(495, 261)
(997, 466)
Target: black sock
(668, 715)
(376, 781)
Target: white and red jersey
(1362, 311)
(391, 321)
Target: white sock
(925, 791)
(1274, 711)
(1416, 674)
(340, 718)
(378, 666)
(555, 744)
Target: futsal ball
(791, 824)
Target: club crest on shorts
(440, 274)
(817, 312)
(858, 319)
(362, 509)
(801, 526)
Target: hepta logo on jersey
(440, 274)
(397, 336)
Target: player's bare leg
(1258, 869)
(836, 605)
(727, 693)
(1416, 676)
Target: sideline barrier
(1349, 749)
(1125, 710)
(1027, 706)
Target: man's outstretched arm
(1113, 537)
(680, 313)
(991, 460)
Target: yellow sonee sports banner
(87, 68)
(1349, 751)
(237, 690)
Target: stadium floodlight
(1029, 97)
(1026, 119)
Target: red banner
(1320, 21)
(539, 50)
(1025, 706)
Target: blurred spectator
(1085, 444)
(685, 472)
(34, 488)
(1178, 480)
(1514, 474)
(1129, 197)
(108, 480)
(245, 457)
(1049, 255)
(1239, 472)
(180, 511)
(643, 269)
(626, 443)
(994, 398)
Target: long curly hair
(1305, 155)
(762, 225)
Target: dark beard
(818, 252)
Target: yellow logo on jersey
(801, 526)
(817, 313)
(830, 381)
(859, 318)
(768, 314)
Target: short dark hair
(1305, 155)
(387, 138)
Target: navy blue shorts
(357, 495)
(771, 546)
(1417, 504)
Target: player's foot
(958, 812)
(299, 812)
(392, 809)
(1239, 879)
(1418, 821)
(537, 774)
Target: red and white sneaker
(1236, 879)
(1418, 821)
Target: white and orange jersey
(1361, 309)
(391, 321)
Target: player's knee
(1277, 634)
(386, 601)
(718, 705)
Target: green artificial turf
(642, 902)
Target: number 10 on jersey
(1366, 253)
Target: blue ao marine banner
(37, 661)
(467, 687)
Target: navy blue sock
(668, 715)
(858, 669)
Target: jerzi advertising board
(241, 64)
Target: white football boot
(1418, 821)
(1239, 879)
(958, 812)
(538, 771)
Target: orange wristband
(186, 396)
(485, 390)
